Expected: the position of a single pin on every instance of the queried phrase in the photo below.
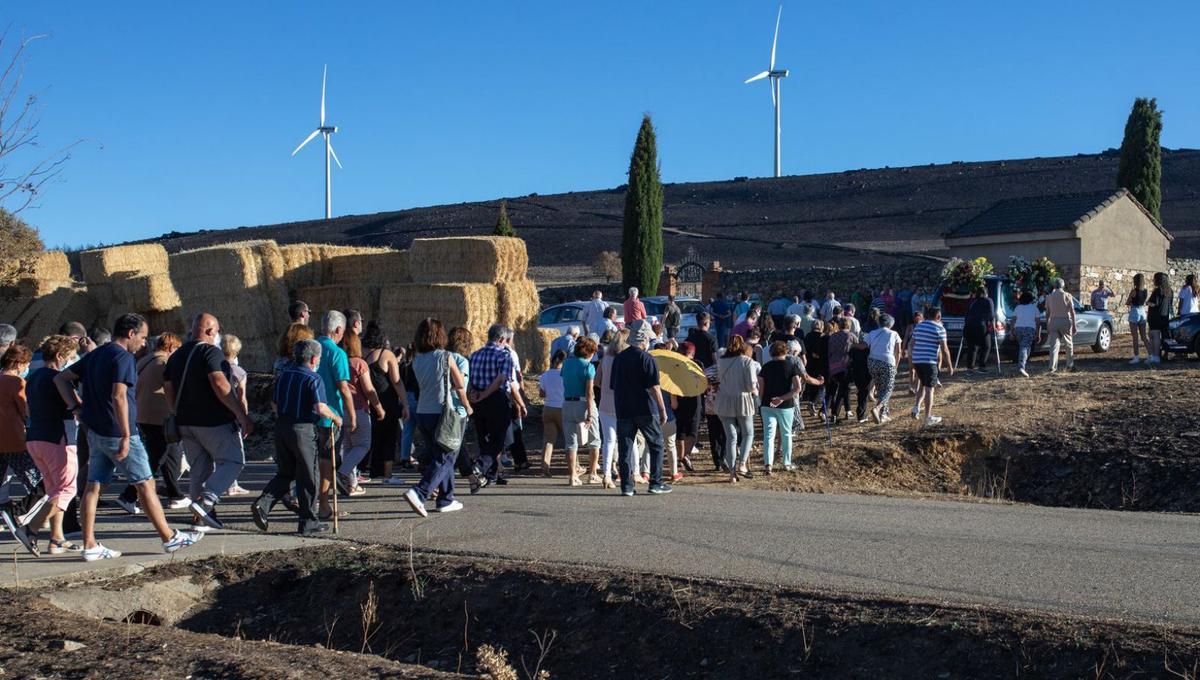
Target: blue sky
(189, 112)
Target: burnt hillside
(835, 218)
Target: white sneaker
(199, 528)
(99, 553)
(129, 507)
(453, 506)
(1023, 372)
(884, 418)
(916, 412)
(415, 502)
(1135, 360)
(180, 503)
(932, 420)
(181, 539)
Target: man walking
(722, 313)
(672, 318)
(334, 369)
(593, 314)
(209, 414)
(299, 400)
(634, 308)
(703, 340)
(639, 406)
(929, 350)
(493, 398)
(109, 409)
(566, 341)
(1060, 324)
(831, 303)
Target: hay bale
(49, 312)
(533, 348)
(368, 266)
(472, 259)
(321, 299)
(470, 305)
(98, 266)
(34, 287)
(519, 305)
(13, 307)
(148, 293)
(240, 284)
(51, 265)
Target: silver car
(562, 316)
(689, 306)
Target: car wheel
(1103, 338)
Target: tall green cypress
(503, 226)
(641, 235)
(1140, 170)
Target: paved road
(1134, 566)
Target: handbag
(170, 424)
(450, 427)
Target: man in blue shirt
(493, 396)
(334, 370)
(929, 349)
(299, 404)
(109, 409)
(722, 314)
(640, 408)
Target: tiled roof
(1043, 213)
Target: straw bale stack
(49, 312)
(148, 293)
(472, 259)
(239, 282)
(12, 309)
(321, 299)
(100, 265)
(533, 348)
(470, 305)
(34, 287)
(519, 304)
(368, 266)
(49, 272)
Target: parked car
(1093, 328)
(655, 304)
(1183, 335)
(562, 316)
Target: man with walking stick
(334, 369)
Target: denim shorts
(135, 466)
(1137, 314)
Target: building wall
(1121, 281)
(1123, 237)
(1064, 252)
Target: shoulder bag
(170, 424)
(450, 428)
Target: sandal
(329, 515)
(58, 547)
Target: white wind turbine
(775, 76)
(325, 130)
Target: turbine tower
(775, 76)
(326, 131)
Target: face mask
(217, 340)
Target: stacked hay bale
(50, 272)
(343, 277)
(472, 282)
(242, 284)
(105, 271)
(45, 314)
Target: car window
(548, 317)
(655, 308)
(569, 313)
(692, 307)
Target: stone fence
(1121, 281)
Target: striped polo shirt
(298, 390)
(927, 338)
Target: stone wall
(841, 280)
(1088, 277)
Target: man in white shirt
(829, 305)
(593, 313)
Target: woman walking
(687, 419)
(840, 340)
(1160, 308)
(152, 409)
(14, 411)
(883, 359)
(50, 441)
(780, 382)
(736, 405)
(439, 381)
(384, 370)
(906, 350)
(581, 419)
(608, 406)
(1138, 297)
(1026, 318)
(357, 443)
(550, 386)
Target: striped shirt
(298, 390)
(488, 362)
(927, 339)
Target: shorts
(1159, 323)
(101, 464)
(927, 374)
(1137, 315)
(687, 417)
(577, 435)
(324, 450)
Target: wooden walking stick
(333, 486)
(958, 354)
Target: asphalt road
(1120, 565)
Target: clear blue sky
(189, 110)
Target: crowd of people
(352, 406)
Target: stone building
(1091, 237)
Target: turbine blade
(775, 41)
(334, 154)
(323, 75)
(760, 76)
(307, 140)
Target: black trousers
(862, 384)
(716, 439)
(517, 448)
(384, 436)
(976, 343)
(491, 418)
(163, 458)
(839, 392)
(296, 461)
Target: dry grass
(100, 265)
(470, 305)
(474, 259)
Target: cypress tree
(641, 235)
(503, 226)
(1140, 170)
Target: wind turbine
(775, 76)
(326, 131)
